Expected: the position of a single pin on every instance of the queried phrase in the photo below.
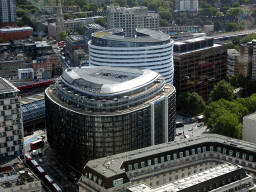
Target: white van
(34, 152)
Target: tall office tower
(248, 56)
(95, 112)
(59, 21)
(8, 13)
(186, 5)
(199, 64)
(129, 19)
(148, 49)
(11, 133)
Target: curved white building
(148, 49)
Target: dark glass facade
(78, 134)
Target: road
(52, 167)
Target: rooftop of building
(32, 98)
(251, 116)
(15, 29)
(108, 80)
(142, 35)
(16, 175)
(76, 38)
(6, 86)
(95, 26)
(233, 52)
(189, 183)
(194, 40)
(112, 165)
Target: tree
(166, 15)
(1, 40)
(242, 25)
(67, 31)
(222, 90)
(198, 21)
(101, 21)
(190, 103)
(236, 40)
(250, 37)
(163, 22)
(217, 25)
(93, 8)
(81, 3)
(132, 3)
(231, 27)
(80, 30)
(236, 4)
(235, 11)
(218, 14)
(178, 20)
(62, 35)
(82, 15)
(208, 22)
(224, 10)
(20, 12)
(153, 5)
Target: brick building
(15, 33)
(46, 63)
(198, 65)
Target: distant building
(234, 64)
(181, 28)
(14, 176)
(26, 73)
(205, 163)
(10, 65)
(95, 112)
(54, 9)
(91, 28)
(11, 125)
(15, 33)
(98, 2)
(129, 19)
(249, 126)
(199, 64)
(248, 57)
(59, 21)
(76, 42)
(8, 13)
(78, 55)
(186, 5)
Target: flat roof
(112, 165)
(251, 116)
(32, 98)
(6, 86)
(148, 35)
(105, 80)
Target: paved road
(52, 167)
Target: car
(40, 160)
(190, 129)
(179, 133)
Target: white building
(129, 19)
(26, 73)
(186, 5)
(148, 49)
(249, 128)
(232, 61)
(158, 165)
(11, 126)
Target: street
(51, 166)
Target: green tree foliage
(236, 40)
(250, 37)
(191, 103)
(163, 22)
(235, 11)
(153, 5)
(218, 14)
(208, 22)
(178, 20)
(81, 3)
(224, 10)
(165, 15)
(67, 31)
(183, 18)
(101, 21)
(198, 21)
(205, 5)
(1, 40)
(208, 11)
(231, 45)
(231, 27)
(82, 15)
(121, 3)
(218, 25)
(21, 12)
(93, 8)
(222, 90)
(236, 4)
(62, 35)
(80, 30)
(249, 102)
(68, 16)
(132, 3)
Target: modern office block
(94, 112)
(7, 13)
(148, 49)
(192, 164)
(199, 64)
(11, 128)
(249, 126)
(129, 19)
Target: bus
(56, 188)
(28, 157)
(36, 144)
(40, 172)
(48, 181)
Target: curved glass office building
(92, 112)
(147, 49)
